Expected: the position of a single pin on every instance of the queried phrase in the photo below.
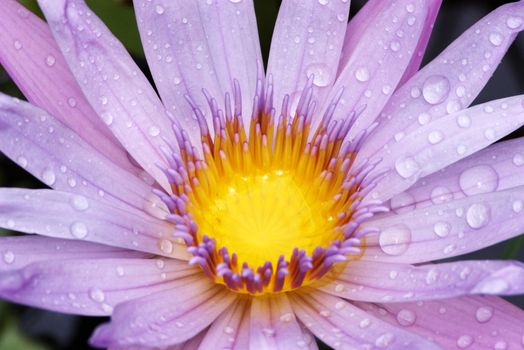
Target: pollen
(274, 206)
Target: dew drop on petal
(9, 257)
(441, 194)
(395, 240)
(50, 60)
(48, 177)
(80, 203)
(154, 131)
(22, 161)
(517, 206)
(435, 89)
(479, 179)
(432, 276)
(464, 341)
(366, 322)
(362, 74)
(406, 317)
(478, 215)
(79, 230)
(159, 9)
(321, 74)
(97, 295)
(406, 166)
(464, 121)
(107, 118)
(435, 137)
(496, 38)
(442, 229)
(514, 22)
(518, 159)
(166, 246)
(484, 314)
(384, 340)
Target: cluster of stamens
(238, 169)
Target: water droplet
(9, 257)
(410, 8)
(496, 39)
(407, 166)
(80, 202)
(406, 317)
(364, 323)
(517, 206)
(287, 317)
(107, 118)
(478, 215)
(518, 159)
(321, 74)
(479, 179)
(159, 9)
(464, 341)
(435, 89)
(394, 45)
(71, 102)
(500, 345)
(339, 288)
(48, 177)
(17, 44)
(393, 274)
(323, 2)
(432, 276)
(120, 271)
(166, 246)
(435, 137)
(424, 118)
(340, 305)
(154, 131)
(514, 22)
(415, 92)
(362, 74)
(441, 194)
(384, 340)
(442, 229)
(50, 60)
(484, 314)
(489, 134)
(22, 161)
(395, 240)
(97, 295)
(79, 230)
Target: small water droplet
(395, 240)
(120, 271)
(17, 44)
(518, 159)
(517, 206)
(79, 230)
(323, 2)
(484, 314)
(362, 74)
(50, 60)
(97, 295)
(479, 179)
(9, 257)
(321, 74)
(478, 215)
(435, 137)
(22, 161)
(384, 340)
(287, 317)
(464, 341)
(442, 229)
(394, 45)
(159, 9)
(166, 246)
(48, 177)
(80, 203)
(71, 102)
(406, 317)
(464, 121)
(407, 166)
(107, 118)
(435, 89)
(365, 323)
(154, 131)
(496, 39)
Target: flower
(252, 210)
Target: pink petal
(472, 322)
(495, 168)
(20, 251)
(64, 215)
(444, 141)
(164, 318)
(452, 80)
(112, 83)
(30, 55)
(195, 44)
(391, 282)
(61, 159)
(231, 329)
(341, 325)
(307, 41)
(274, 326)
(91, 286)
(448, 229)
(378, 59)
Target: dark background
(24, 328)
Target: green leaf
(12, 339)
(513, 247)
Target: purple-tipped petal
(90, 286)
(307, 40)
(20, 251)
(167, 317)
(341, 325)
(195, 44)
(274, 326)
(61, 159)
(30, 55)
(448, 229)
(444, 141)
(475, 322)
(495, 168)
(64, 215)
(112, 82)
(390, 282)
(378, 60)
(231, 329)
(452, 80)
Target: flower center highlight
(272, 208)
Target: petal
(112, 83)
(231, 329)
(90, 286)
(307, 40)
(452, 80)
(30, 55)
(161, 320)
(495, 168)
(63, 215)
(344, 326)
(445, 141)
(194, 45)
(20, 251)
(58, 157)
(472, 322)
(448, 229)
(378, 60)
(379, 282)
(273, 325)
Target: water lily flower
(248, 209)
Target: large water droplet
(395, 240)
(496, 39)
(514, 22)
(321, 74)
(479, 179)
(166, 246)
(484, 314)
(478, 215)
(407, 166)
(435, 89)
